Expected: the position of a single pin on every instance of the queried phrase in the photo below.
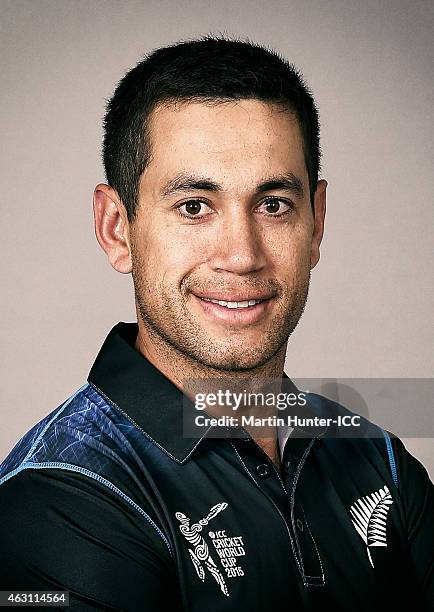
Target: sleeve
(64, 531)
(417, 495)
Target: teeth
(243, 304)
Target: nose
(240, 248)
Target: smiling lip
(238, 310)
(233, 296)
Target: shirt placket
(281, 491)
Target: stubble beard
(174, 332)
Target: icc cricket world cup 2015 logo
(199, 552)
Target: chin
(233, 362)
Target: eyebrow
(186, 182)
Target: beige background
(371, 302)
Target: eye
(194, 209)
(275, 207)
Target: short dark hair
(211, 69)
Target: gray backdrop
(371, 301)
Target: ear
(112, 228)
(318, 228)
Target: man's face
(224, 214)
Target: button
(299, 524)
(263, 470)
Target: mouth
(234, 309)
(246, 303)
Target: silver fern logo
(369, 517)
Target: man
(213, 203)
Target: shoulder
(359, 443)
(86, 434)
(82, 455)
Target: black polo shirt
(107, 499)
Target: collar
(138, 389)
